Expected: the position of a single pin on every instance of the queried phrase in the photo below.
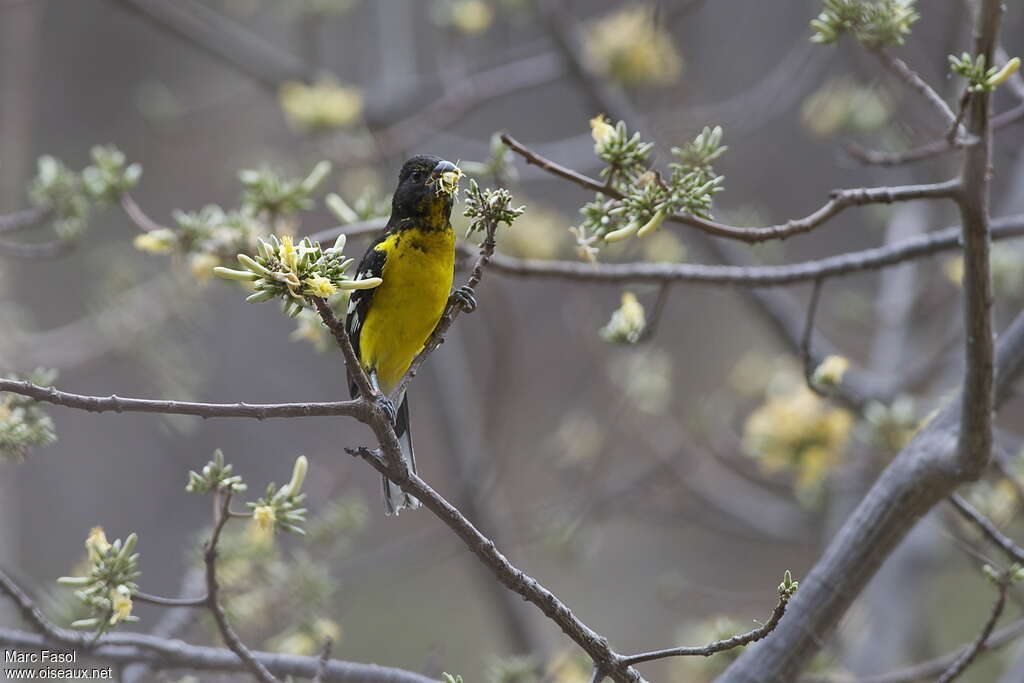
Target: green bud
(341, 210)
(230, 274)
(252, 265)
(622, 233)
(365, 283)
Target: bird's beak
(447, 176)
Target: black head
(418, 195)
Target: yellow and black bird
(415, 257)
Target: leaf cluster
(23, 424)
(875, 23)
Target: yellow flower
(471, 16)
(630, 47)
(160, 241)
(120, 604)
(953, 269)
(287, 252)
(602, 132)
(448, 183)
(264, 517)
(96, 543)
(201, 266)
(325, 104)
(796, 430)
(320, 286)
(627, 323)
(830, 372)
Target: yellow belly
(407, 305)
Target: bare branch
(985, 525)
(805, 344)
(138, 216)
(972, 652)
(225, 40)
(901, 70)
(221, 505)
(37, 251)
(752, 276)
(170, 602)
(117, 404)
(24, 219)
(738, 640)
(924, 473)
(926, 669)
(975, 439)
(515, 579)
(841, 200)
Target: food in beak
(447, 177)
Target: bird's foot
(388, 406)
(464, 298)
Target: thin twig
(656, 313)
(986, 526)
(37, 251)
(170, 602)
(24, 219)
(972, 652)
(221, 504)
(117, 404)
(138, 216)
(325, 659)
(897, 66)
(719, 645)
(841, 200)
(928, 668)
(805, 344)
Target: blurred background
(660, 488)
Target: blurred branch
(225, 40)
(221, 505)
(901, 70)
(753, 276)
(24, 219)
(841, 199)
(971, 653)
(117, 404)
(926, 669)
(805, 344)
(167, 653)
(924, 473)
(138, 216)
(36, 251)
(987, 527)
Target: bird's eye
(417, 176)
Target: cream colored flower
(471, 16)
(794, 429)
(602, 132)
(627, 324)
(120, 604)
(264, 518)
(160, 241)
(201, 266)
(96, 543)
(830, 372)
(287, 252)
(630, 47)
(320, 286)
(325, 104)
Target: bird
(389, 324)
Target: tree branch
(221, 505)
(738, 640)
(117, 404)
(841, 200)
(924, 473)
(752, 276)
(985, 525)
(24, 219)
(901, 70)
(975, 439)
(972, 652)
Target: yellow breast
(407, 305)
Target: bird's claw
(388, 406)
(464, 298)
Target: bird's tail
(396, 500)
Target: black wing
(372, 265)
